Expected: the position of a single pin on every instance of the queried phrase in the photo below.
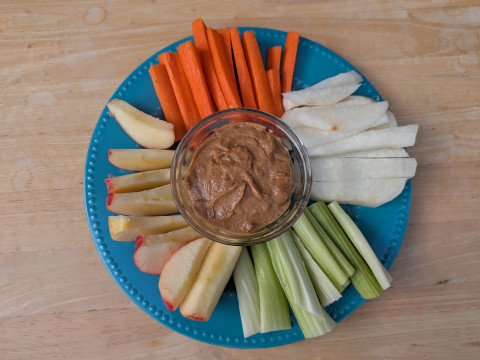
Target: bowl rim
(245, 240)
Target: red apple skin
(109, 184)
(169, 305)
(139, 241)
(194, 317)
(110, 199)
(156, 268)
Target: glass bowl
(184, 156)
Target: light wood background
(61, 60)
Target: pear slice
(156, 201)
(337, 118)
(140, 159)
(341, 168)
(153, 251)
(396, 137)
(127, 228)
(365, 192)
(138, 181)
(325, 92)
(318, 96)
(144, 129)
(180, 271)
(217, 268)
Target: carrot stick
(200, 35)
(166, 96)
(222, 68)
(257, 72)
(276, 90)
(274, 57)
(162, 58)
(193, 70)
(225, 35)
(288, 61)
(243, 75)
(182, 90)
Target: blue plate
(384, 226)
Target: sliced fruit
(318, 96)
(144, 129)
(341, 168)
(346, 78)
(179, 272)
(127, 228)
(156, 201)
(138, 181)
(312, 137)
(153, 251)
(217, 268)
(140, 159)
(378, 153)
(391, 122)
(365, 192)
(337, 118)
(396, 137)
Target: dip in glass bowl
(254, 203)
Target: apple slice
(144, 129)
(217, 268)
(138, 181)
(153, 251)
(127, 228)
(140, 159)
(156, 201)
(180, 271)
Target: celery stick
(326, 291)
(247, 292)
(290, 269)
(363, 279)
(319, 252)
(274, 311)
(362, 245)
(336, 253)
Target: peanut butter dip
(241, 178)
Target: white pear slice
(317, 95)
(379, 153)
(391, 122)
(217, 268)
(144, 129)
(156, 201)
(138, 181)
(153, 251)
(141, 159)
(347, 78)
(312, 137)
(344, 118)
(127, 228)
(180, 271)
(398, 137)
(356, 100)
(337, 168)
(348, 101)
(365, 192)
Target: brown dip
(241, 178)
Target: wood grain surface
(60, 61)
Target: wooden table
(61, 61)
